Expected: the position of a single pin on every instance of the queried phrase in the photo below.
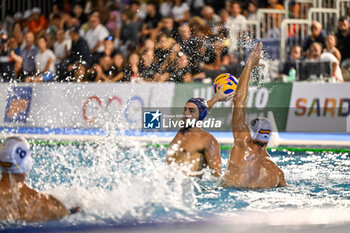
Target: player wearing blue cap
(17, 200)
(249, 165)
(192, 148)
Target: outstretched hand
(255, 55)
(221, 96)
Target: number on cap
(254, 122)
(21, 153)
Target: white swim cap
(260, 129)
(15, 155)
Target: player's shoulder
(270, 164)
(47, 201)
(208, 137)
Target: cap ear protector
(260, 129)
(202, 106)
(15, 155)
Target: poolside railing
(342, 7)
(22, 6)
(293, 31)
(301, 8)
(253, 27)
(327, 17)
(269, 21)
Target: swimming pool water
(116, 184)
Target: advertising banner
(319, 107)
(308, 107)
(261, 99)
(73, 105)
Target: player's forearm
(212, 102)
(243, 85)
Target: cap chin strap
(260, 143)
(12, 168)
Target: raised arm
(239, 127)
(212, 155)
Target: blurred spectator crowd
(152, 41)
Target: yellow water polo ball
(229, 81)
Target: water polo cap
(260, 129)
(202, 107)
(15, 155)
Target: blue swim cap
(202, 107)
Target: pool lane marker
(223, 147)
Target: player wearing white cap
(249, 165)
(17, 200)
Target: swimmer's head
(260, 130)
(15, 155)
(196, 108)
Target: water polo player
(17, 200)
(192, 148)
(249, 165)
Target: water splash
(113, 179)
(262, 73)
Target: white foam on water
(113, 179)
(291, 217)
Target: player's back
(26, 204)
(251, 167)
